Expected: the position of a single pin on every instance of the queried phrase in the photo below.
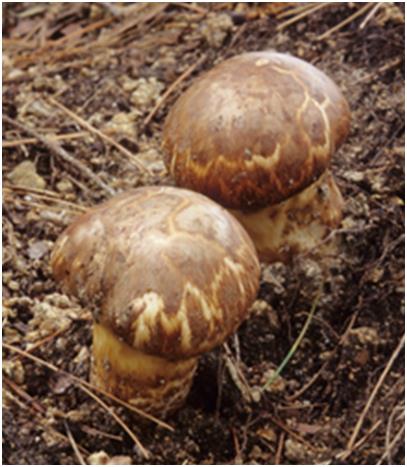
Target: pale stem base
(153, 384)
(297, 225)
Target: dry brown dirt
(340, 399)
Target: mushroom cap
(255, 129)
(169, 271)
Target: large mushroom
(168, 275)
(256, 134)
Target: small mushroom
(168, 275)
(256, 134)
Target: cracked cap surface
(255, 130)
(169, 271)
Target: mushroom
(256, 134)
(168, 275)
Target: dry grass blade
(301, 15)
(370, 15)
(125, 427)
(348, 20)
(290, 11)
(136, 18)
(172, 88)
(390, 447)
(388, 444)
(306, 386)
(53, 56)
(296, 344)
(73, 444)
(102, 135)
(78, 33)
(43, 195)
(51, 367)
(19, 142)
(363, 439)
(58, 151)
(191, 6)
(373, 394)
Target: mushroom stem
(298, 224)
(151, 383)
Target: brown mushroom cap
(255, 130)
(169, 271)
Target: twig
(78, 32)
(293, 434)
(238, 452)
(47, 207)
(191, 6)
(348, 20)
(280, 446)
(58, 151)
(295, 346)
(102, 135)
(380, 381)
(388, 430)
(296, 18)
(219, 378)
(125, 427)
(237, 375)
(370, 15)
(41, 342)
(392, 444)
(73, 444)
(37, 194)
(55, 55)
(90, 430)
(172, 88)
(34, 404)
(382, 69)
(51, 367)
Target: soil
(340, 398)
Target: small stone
(123, 124)
(101, 458)
(25, 174)
(295, 451)
(260, 307)
(354, 175)
(64, 186)
(37, 250)
(365, 335)
(82, 356)
(76, 416)
(146, 93)
(255, 394)
(278, 383)
(267, 433)
(216, 28)
(14, 370)
(14, 285)
(47, 319)
(120, 460)
(98, 458)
